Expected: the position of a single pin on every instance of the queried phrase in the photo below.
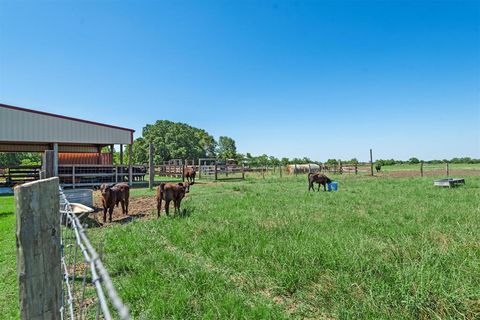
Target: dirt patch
(139, 207)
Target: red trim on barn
(65, 117)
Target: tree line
(177, 140)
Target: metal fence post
(38, 249)
(73, 176)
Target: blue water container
(333, 186)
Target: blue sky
(323, 79)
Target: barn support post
(38, 249)
(48, 164)
(130, 160)
(55, 159)
(121, 154)
(112, 151)
(421, 169)
(73, 176)
(99, 155)
(151, 172)
(447, 171)
(371, 163)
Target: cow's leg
(324, 186)
(126, 205)
(175, 206)
(310, 186)
(110, 212)
(178, 206)
(104, 214)
(123, 206)
(159, 206)
(167, 205)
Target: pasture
(381, 247)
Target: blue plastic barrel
(333, 186)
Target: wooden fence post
(216, 174)
(280, 170)
(199, 169)
(243, 171)
(421, 169)
(151, 171)
(184, 166)
(38, 249)
(340, 170)
(356, 168)
(371, 163)
(447, 169)
(130, 160)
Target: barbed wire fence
(85, 278)
(60, 274)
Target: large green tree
(226, 148)
(173, 140)
(19, 158)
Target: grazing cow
(112, 196)
(171, 192)
(319, 178)
(378, 167)
(189, 173)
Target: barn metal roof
(27, 127)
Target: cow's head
(185, 186)
(106, 190)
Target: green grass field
(380, 248)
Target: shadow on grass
(4, 215)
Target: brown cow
(189, 174)
(112, 196)
(319, 178)
(171, 192)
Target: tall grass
(378, 248)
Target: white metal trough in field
(451, 182)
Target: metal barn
(27, 130)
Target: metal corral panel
(83, 196)
(24, 125)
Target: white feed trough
(450, 182)
(79, 209)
